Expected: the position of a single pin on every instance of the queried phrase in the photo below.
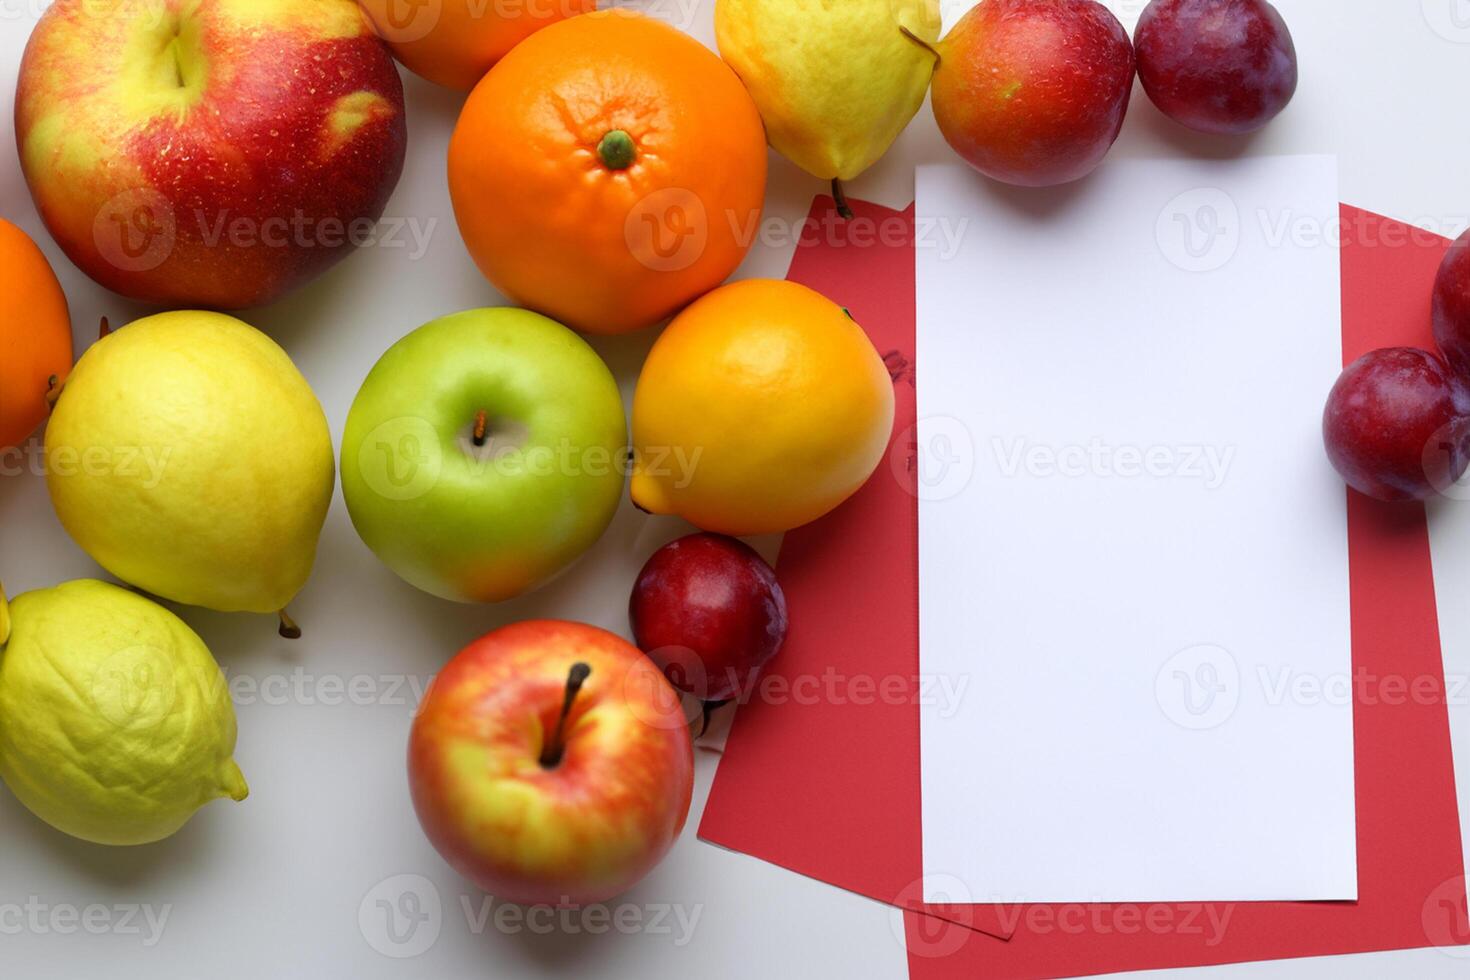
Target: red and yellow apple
(1034, 92)
(209, 153)
(551, 764)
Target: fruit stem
(840, 196)
(104, 329)
(708, 708)
(4, 616)
(53, 392)
(482, 422)
(289, 629)
(923, 44)
(175, 50)
(616, 150)
(552, 753)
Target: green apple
(484, 454)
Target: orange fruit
(35, 334)
(608, 171)
(455, 42)
(762, 407)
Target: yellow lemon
(762, 407)
(115, 721)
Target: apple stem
(840, 196)
(923, 44)
(104, 329)
(289, 629)
(482, 423)
(552, 753)
(54, 385)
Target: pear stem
(482, 423)
(840, 196)
(555, 749)
(923, 44)
(54, 385)
(289, 629)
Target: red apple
(1034, 92)
(213, 153)
(1216, 66)
(551, 764)
(708, 610)
(1397, 425)
(1452, 306)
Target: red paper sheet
(846, 768)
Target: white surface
(1149, 528)
(273, 887)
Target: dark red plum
(1396, 425)
(1217, 66)
(1452, 307)
(708, 610)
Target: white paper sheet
(1133, 553)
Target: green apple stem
(923, 44)
(482, 424)
(552, 753)
(289, 629)
(840, 196)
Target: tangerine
(35, 334)
(608, 171)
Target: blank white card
(1133, 553)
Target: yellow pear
(836, 81)
(188, 456)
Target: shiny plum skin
(1452, 307)
(1034, 92)
(1396, 425)
(1217, 66)
(708, 610)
